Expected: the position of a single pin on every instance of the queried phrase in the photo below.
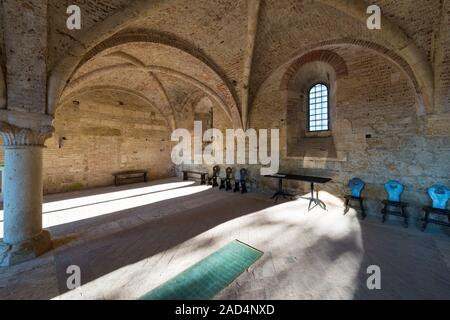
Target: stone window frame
(304, 105)
(308, 109)
(320, 66)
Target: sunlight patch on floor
(77, 209)
(286, 232)
(111, 196)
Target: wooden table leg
(363, 211)
(203, 179)
(384, 212)
(405, 216)
(425, 220)
(347, 202)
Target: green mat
(208, 277)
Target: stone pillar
(23, 238)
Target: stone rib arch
(193, 98)
(219, 91)
(154, 36)
(2, 90)
(65, 73)
(138, 63)
(393, 57)
(383, 51)
(127, 57)
(169, 118)
(333, 59)
(402, 45)
(2, 84)
(422, 106)
(233, 116)
(64, 69)
(92, 75)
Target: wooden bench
(130, 176)
(203, 175)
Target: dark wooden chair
(225, 181)
(394, 189)
(356, 186)
(213, 179)
(439, 195)
(237, 179)
(240, 182)
(229, 174)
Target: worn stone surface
(25, 41)
(23, 237)
(99, 135)
(377, 134)
(169, 225)
(207, 42)
(138, 69)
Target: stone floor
(129, 240)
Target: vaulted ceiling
(160, 75)
(165, 50)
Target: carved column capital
(16, 136)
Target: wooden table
(311, 179)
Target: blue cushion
(440, 195)
(356, 185)
(394, 190)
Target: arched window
(318, 108)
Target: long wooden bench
(130, 176)
(203, 175)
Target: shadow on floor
(107, 254)
(307, 255)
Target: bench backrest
(130, 172)
(195, 172)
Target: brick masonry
(96, 136)
(377, 132)
(382, 128)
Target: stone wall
(380, 128)
(377, 133)
(93, 139)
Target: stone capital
(17, 136)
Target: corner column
(24, 238)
